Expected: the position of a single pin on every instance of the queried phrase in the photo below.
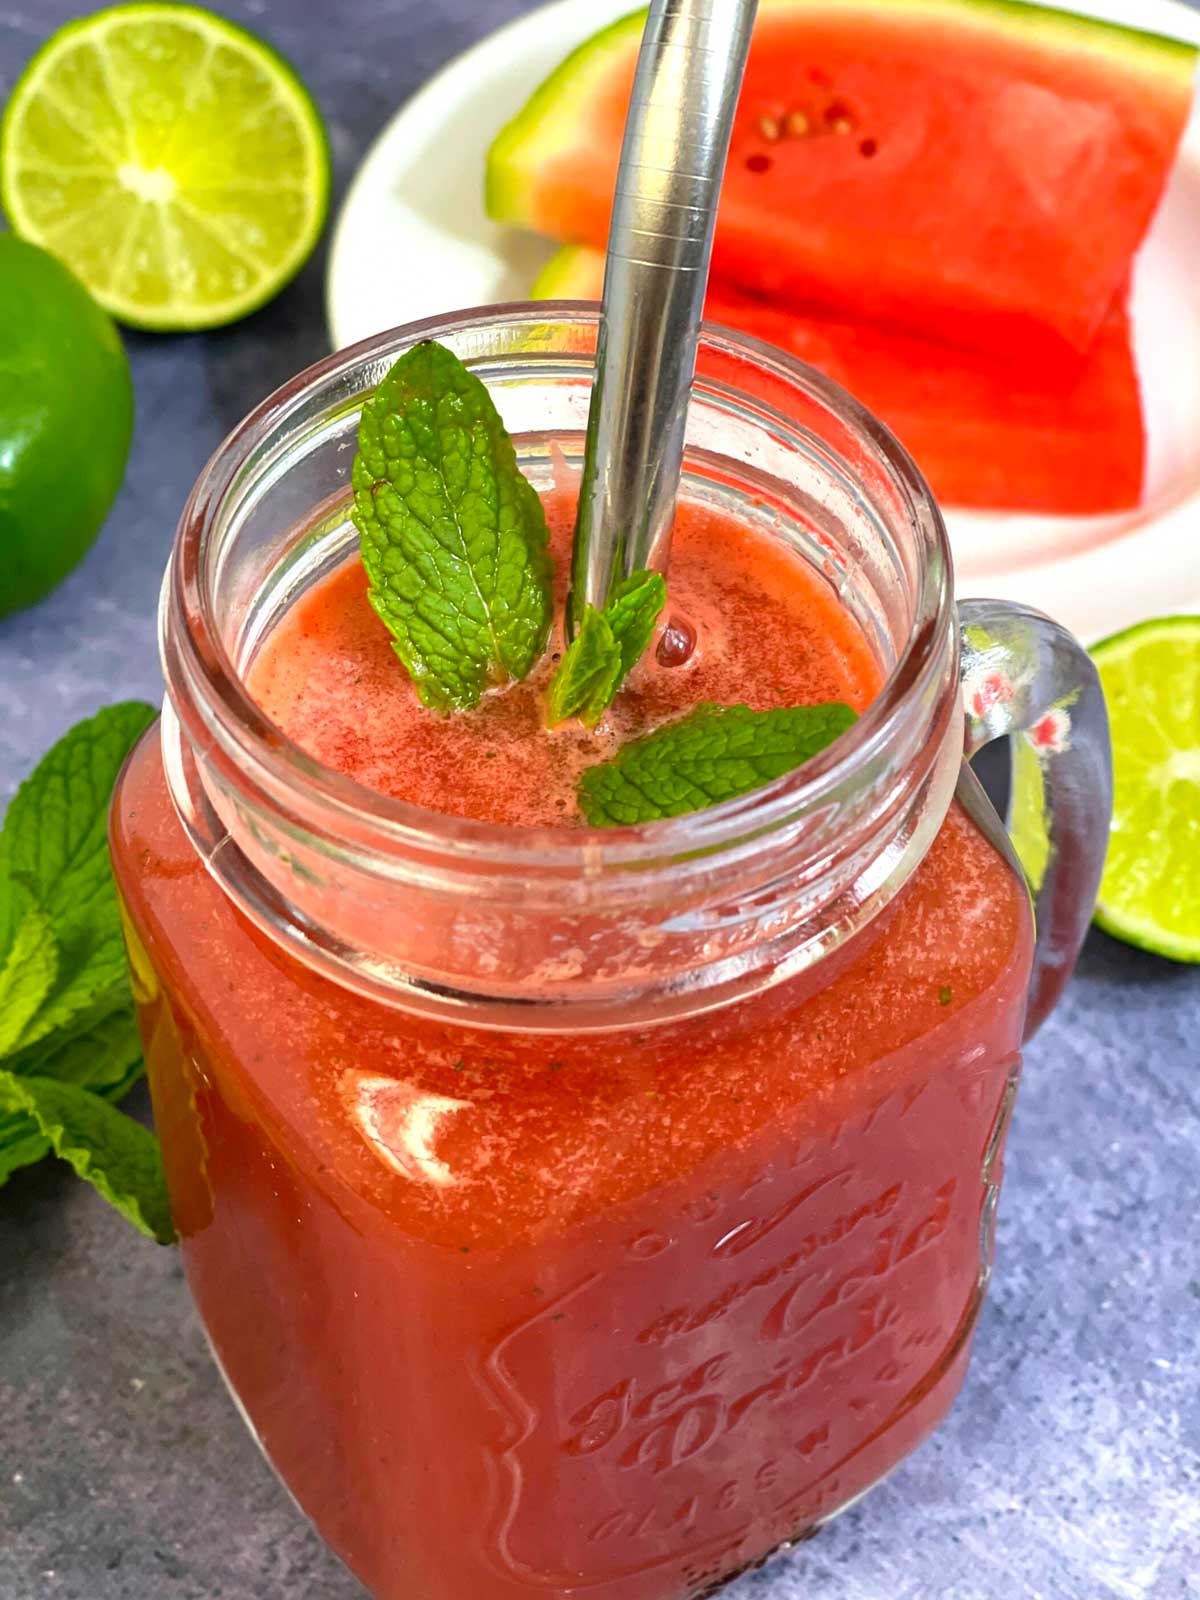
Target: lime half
(1150, 895)
(174, 162)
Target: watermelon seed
(758, 163)
(769, 128)
(838, 116)
(797, 124)
(868, 147)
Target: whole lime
(66, 416)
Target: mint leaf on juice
(111, 1151)
(588, 675)
(453, 536)
(631, 612)
(607, 647)
(712, 754)
(26, 978)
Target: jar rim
(222, 706)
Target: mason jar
(597, 1211)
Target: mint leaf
(54, 845)
(104, 1055)
(21, 1143)
(607, 647)
(453, 536)
(710, 755)
(116, 1090)
(98, 1049)
(26, 978)
(112, 1151)
(55, 833)
(66, 1017)
(631, 612)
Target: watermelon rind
(568, 275)
(550, 117)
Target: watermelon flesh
(1016, 432)
(976, 171)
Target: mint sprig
(455, 547)
(453, 536)
(607, 647)
(712, 754)
(68, 1038)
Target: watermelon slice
(988, 431)
(968, 169)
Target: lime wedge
(174, 162)
(1150, 894)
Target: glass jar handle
(1026, 676)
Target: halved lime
(1150, 894)
(174, 162)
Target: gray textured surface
(1068, 1471)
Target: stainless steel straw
(689, 72)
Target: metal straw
(689, 72)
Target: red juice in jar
(581, 1301)
(660, 1298)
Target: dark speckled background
(1069, 1469)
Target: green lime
(171, 159)
(1150, 895)
(66, 414)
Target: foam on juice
(769, 632)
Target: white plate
(413, 241)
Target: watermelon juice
(568, 1222)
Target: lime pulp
(1150, 893)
